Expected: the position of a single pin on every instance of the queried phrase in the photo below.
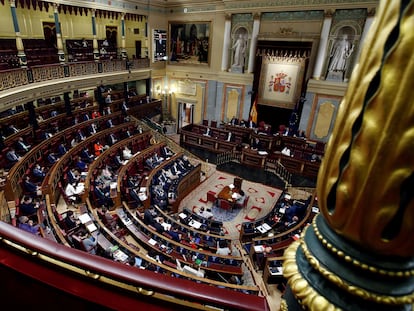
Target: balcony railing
(22, 76)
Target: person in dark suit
(27, 207)
(103, 196)
(81, 165)
(234, 121)
(257, 145)
(11, 129)
(73, 176)
(134, 196)
(21, 146)
(30, 187)
(80, 135)
(86, 156)
(112, 139)
(93, 129)
(39, 172)
(109, 123)
(149, 216)
(52, 158)
(62, 149)
(12, 157)
(250, 123)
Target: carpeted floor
(262, 198)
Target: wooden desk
(226, 194)
(253, 158)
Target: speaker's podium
(238, 183)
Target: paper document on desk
(84, 218)
(91, 227)
(142, 196)
(258, 248)
(276, 270)
(266, 226)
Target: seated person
(30, 187)
(107, 218)
(27, 207)
(80, 136)
(11, 129)
(81, 165)
(39, 172)
(73, 191)
(124, 107)
(12, 157)
(75, 140)
(158, 224)
(70, 221)
(240, 198)
(234, 121)
(149, 215)
(96, 114)
(250, 123)
(109, 123)
(126, 153)
(223, 248)
(261, 256)
(169, 174)
(257, 145)
(46, 135)
(167, 152)
(292, 222)
(86, 117)
(118, 162)
(92, 129)
(21, 146)
(112, 139)
(134, 196)
(88, 242)
(73, 175)
(98, 148)
(229, 136)
(174, 234)
(86, 156)
(104, 177)
(157, 158)
(52, 158)
(28, 225)
(102, 195)
(172, 197)
(150, 162)
(62, 149)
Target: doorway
(138, 49)
(185, 114)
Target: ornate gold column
(359, 253)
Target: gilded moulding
(303, 291)
(357, 263)
(352, 288)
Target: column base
(326, 272)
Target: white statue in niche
(340, 53)
(239, 48)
